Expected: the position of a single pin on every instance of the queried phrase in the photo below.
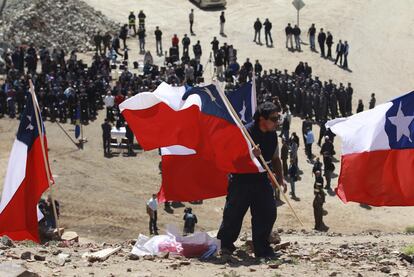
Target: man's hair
(265, 110)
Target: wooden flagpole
(246, 133)
(42, 143)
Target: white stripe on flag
(16, 172)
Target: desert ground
(104, 199)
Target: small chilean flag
(25, 181)
(378, 154)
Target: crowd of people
(66, 87)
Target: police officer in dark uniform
(141, 19)
(131, 22)
(130, 136)
(321, 41)
(97, 39)
(349, 91)
(318, 205)
(254, 190)
(372, 101)
(62, 106)
(106, 39)
(106, 136)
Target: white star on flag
(243, 112)
(30, 126)
(402, 124)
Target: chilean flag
(201, 140)
(25, 181)
(378, 154)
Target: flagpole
(246, 133)
(81, 139)
(66, 133)
(36, 109)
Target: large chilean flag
(378, 154)
(25, 181)
(203, 140)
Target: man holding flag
(254, 190)
(197, 127)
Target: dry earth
(104, 199)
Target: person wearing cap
(318, 202)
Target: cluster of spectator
(341, 49)
(267, 25)
(325, 42)
(66, 88)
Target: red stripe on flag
(19, 218)
(378, 178)
(190, 178)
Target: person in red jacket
(175, 41)
(119, 98)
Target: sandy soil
(104, 199)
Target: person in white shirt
(109, 102)
(152, 206)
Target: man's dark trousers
(256, 192)
(106, 145)
(268, 34)
(153, 224)
(322, 47)
(318, 213)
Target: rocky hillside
(65, 24)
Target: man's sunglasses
(274, 118)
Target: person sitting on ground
(190, 220)
(47, 224)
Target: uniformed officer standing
(141, 19)
(254, 190)
(318, 206)
(131, 22)
(106, 136)
(98, 43)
